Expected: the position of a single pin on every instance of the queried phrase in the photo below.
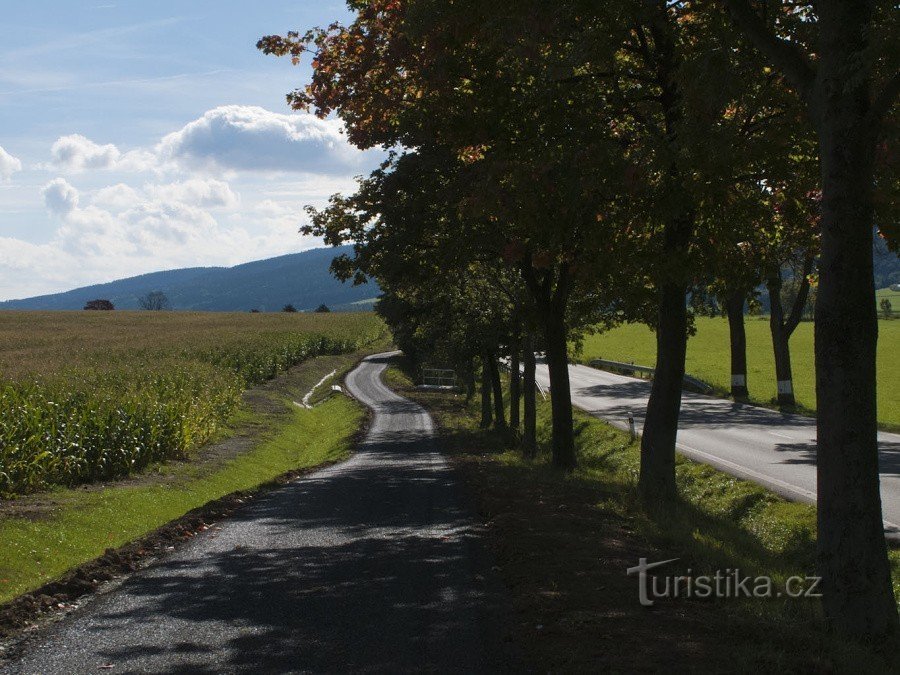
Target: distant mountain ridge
(299, 279)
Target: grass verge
(563, 543)
(709, 358)
(42, 536)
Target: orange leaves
(472, 153)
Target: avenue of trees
(560, 167)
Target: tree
(447, 297)
(290, 309)
(781, 327)
(392, 72)
(99, 305)
(685, 98)
(322, 309)
(887, 310)
(155, 301)
(840, 59)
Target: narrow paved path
(774, 449)
(369, 565)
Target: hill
(300, 279)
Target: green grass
(893, 296)
(83, 524)
(709, 359)
(718, 522)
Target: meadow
(892, 296)
(709, 358)
(88, 396)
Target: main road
(370, 565)
(773, 449)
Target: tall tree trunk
(780, 343)
(487, 415)
(515, 379)
(556, 338)
(470, 380)
(529, 435)
(657, 479)
(852, 552)
(551, 300)
(734, 307)
(497, 386)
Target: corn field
(101, 410)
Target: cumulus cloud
(159, 225)
(77, 153)
(8, 165)
(249, 138)
(60, 197)
(231, 138)
(116, 197)
(183, 213)
(205, 193)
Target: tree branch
(803, 294)
(786, 56)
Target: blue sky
(137, 136)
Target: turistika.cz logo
(729, 583)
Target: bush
(99, 305)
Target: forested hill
(887, 265)
(300, 279)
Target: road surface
(770, 448)
(369, 565)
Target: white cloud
(249, 138)
(60, 197)
(119, 231)
(193, 217)
(8, 164)
(76, 153)
(232, 138)
(206, 193)
(34, 268)
(116, 197)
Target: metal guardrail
(438, 377)
(504, 365)
(691, 383)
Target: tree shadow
(372, 565)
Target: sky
(140, 136)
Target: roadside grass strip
(556, 535)
(82, 524)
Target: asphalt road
(771, 448)
(371, 565)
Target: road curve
(770, 448)
(370, 565)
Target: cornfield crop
(109, 407)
